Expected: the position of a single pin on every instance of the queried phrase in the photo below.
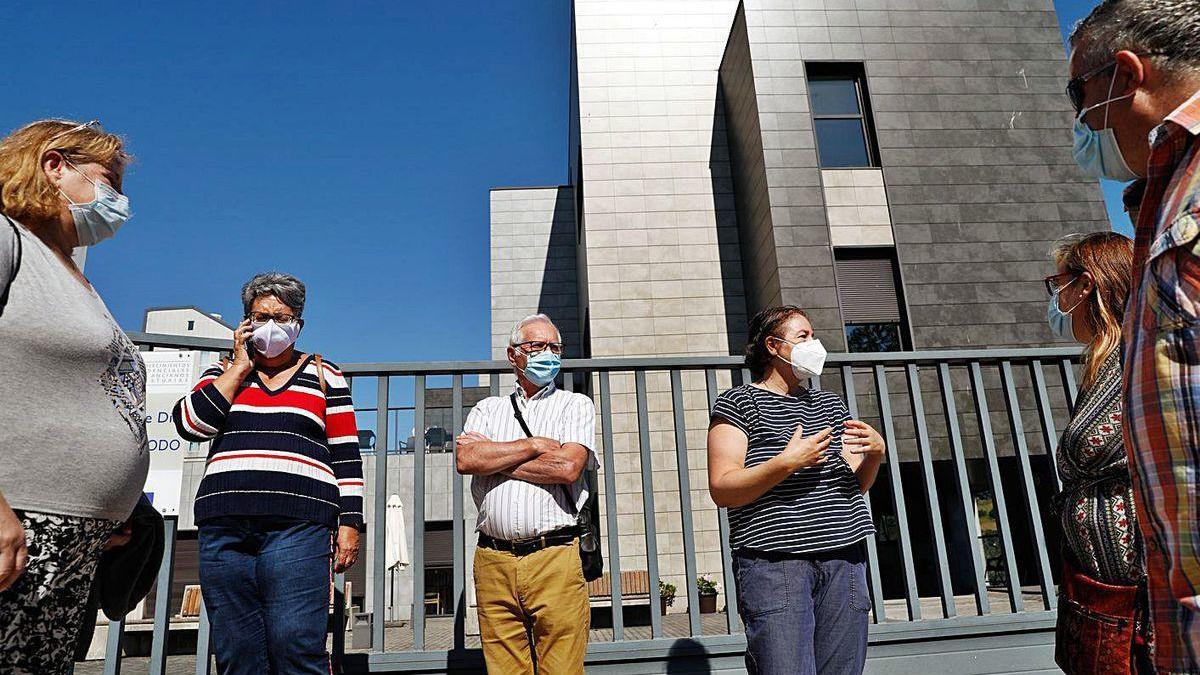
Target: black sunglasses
(1056, 282)
(1075, 84)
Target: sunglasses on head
(77, 127)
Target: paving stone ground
(439, 632)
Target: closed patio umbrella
(396, 550)
(397, 537)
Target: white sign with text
(169, 376)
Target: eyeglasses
(1056, 282)
(259, 318)
(1075, 84)
(536, 347)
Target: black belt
(522, 547)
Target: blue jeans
(265, 583)
(804, 614)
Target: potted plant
(666, 594)
(708, 590)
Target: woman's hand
(801, 453)
(120, 537)
(242, 361)
(345, 552)
(861, 439)
(13, 555)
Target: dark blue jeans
(804, 615)
(265, 583)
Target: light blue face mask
(542, 368)
(1097, 152)
(1060, 321)
(100, 218)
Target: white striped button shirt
(513, 509)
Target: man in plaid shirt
(1135, 69)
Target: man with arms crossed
(529, 487)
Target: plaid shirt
(1162, 385)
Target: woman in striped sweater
(792, 466)
(282, 487)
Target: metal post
(1068, 376)
(911, 597)
(982, 605)
(610, 507)
(733, 621)
(379, 541)
(685, 503)
(204, 643)
(459, 533)
(1049, 598)
(1046, 416)
(931, 494)
(112, 651)
(878, 609)
(648, 503)
(998, 501)
(418, 557)
(162, 599)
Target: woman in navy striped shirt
(283, 476)
(792, 467)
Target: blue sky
(352, 149)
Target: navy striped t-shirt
(818, 508)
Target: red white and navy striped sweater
(291, 452)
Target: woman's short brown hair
(25, 192)
(764, 325)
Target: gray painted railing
(955, 377)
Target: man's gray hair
(1168, 28)
(514, 338)
(286, 288)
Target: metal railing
(974, 462)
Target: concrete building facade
(899, 168)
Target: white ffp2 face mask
(807, 359)
(271, 339)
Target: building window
(837, 94)
(868, 285)
(191, 325)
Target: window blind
(867, 290)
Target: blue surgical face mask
(542, 368)
(1097, 152)
(100, 218)
(1060, 321)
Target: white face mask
(271, 339)
(808, 358)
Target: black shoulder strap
(16, 263)
(512, 398)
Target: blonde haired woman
(1099, 619)
(72, 389)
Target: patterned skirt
(43, 611)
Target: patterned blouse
(1095, 506)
